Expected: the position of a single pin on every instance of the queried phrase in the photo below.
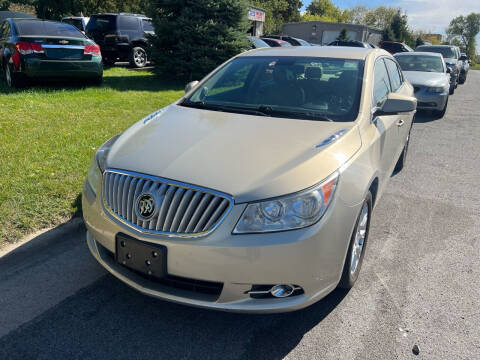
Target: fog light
(282, 291)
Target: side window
(128, 23)
(381, 83)
(5, 30)
(395, 77)
(147, 26)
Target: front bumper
(431, 101)
(63, 68)
(312, 258)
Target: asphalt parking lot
(419, 284)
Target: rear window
(101, 23)
(447, 52)
(75, 22)
(147, 25)
(46, 28)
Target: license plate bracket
(146, 258)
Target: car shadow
(109, 320)
(425, 116)
(149, 82)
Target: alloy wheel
(359, 240)
(140, 57)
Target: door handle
(400, 123)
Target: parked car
(394, 47)
(275, 42)
(352, 43)
(276, 212)
(80, 22)
(428, 74)
(451, 54)
(257, 43)
(291, 40)
(32, 48)
(465, 68)
(122, 37)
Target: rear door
(386, 125)
(398, 86)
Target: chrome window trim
(73, 47)
(167, 182)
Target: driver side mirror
(463, 58)
(396, 104)
(190, 86)
(449, 70)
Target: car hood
(427, 78)
(249, 157)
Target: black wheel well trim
(373, 188)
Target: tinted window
(147, 25)
(395, 77)
(128, 23)
(381, 83)
(447, 52)
(105, 23)
(47, 28)
(75, 22)
(421, 63)
(290, 87)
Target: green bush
(193, 37)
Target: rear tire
(452, 90)
(138, 57)
(14, 80)
(357, 247)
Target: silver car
(429, 76)
(253, 192)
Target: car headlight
(436, 89)
(293, 211)
(98, 164)
(103, 151)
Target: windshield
(447, 52)
(46, 28)
(102, 24)
(258, 43)
(420, 63)
(315, 88)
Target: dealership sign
(256, 15)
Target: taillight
(26, 48)
(93, 50)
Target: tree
(358, 14)
(193, 37)
(343, 36)
(279, 12)
(380, 17)
(398, 30)
(54, 9)
(326, 9)
(4, 5)
(465, 28)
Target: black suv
(122, 37)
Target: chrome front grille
(178, 209)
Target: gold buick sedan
(253, 192)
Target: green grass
(475, 67)
(48, 135)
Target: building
(323, 33)
(256, 17)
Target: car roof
(356, 53)
(415, 53)
(445, 46)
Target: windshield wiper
(294, 114)
(225, 108)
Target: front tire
(358, 242)
(441, 113)
(138, 57)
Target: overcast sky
(428, 15)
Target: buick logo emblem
(145, 206)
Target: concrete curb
(42, 238)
